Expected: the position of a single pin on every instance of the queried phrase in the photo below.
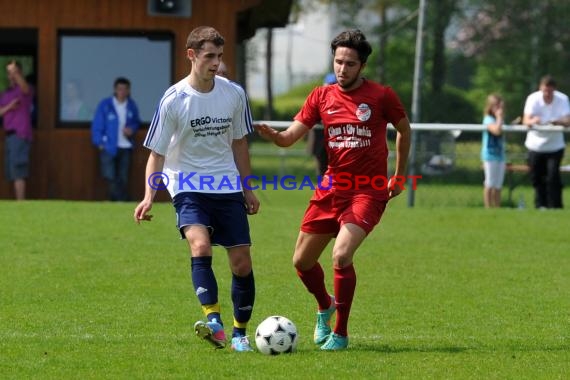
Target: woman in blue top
(493, 151)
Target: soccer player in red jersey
(350, 200)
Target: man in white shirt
(199, 150)
(546, 149)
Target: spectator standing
(113, 129)
(16, 104)
(493, 151)
(547, 106)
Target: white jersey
(541, 141)
(195, 131)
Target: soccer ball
(276, 335)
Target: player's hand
(251, 202)
(128, 131)
(394, 189)
(12, 68)
(266, 132)
(499, 112)
(141, 212)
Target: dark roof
(268, 14)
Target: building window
(89, 63)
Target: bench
(511, 169)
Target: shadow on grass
(388, 349)
(397, 349)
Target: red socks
(314, 280)
(344, 286)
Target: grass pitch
(453, 292)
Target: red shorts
(329, 210)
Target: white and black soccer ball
(276, 335)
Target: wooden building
(64, 164)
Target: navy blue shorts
(17, 157)
(224, 215)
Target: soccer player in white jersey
(198, 145)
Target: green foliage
(257, 108)
(510, 59)
(486, 50)
(399, 70)
(450, 106)
(502, 80)
(300, 91)
(285, 105)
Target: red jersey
(355, 133)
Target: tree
(509, 58)
(269, 70)
(349, 10)
(440, 16)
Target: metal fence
(441, 154)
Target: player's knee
(242, 270)
(301, 264)
(241, 267)
(341, 259)
(240, 263)
(199, 248)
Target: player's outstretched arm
(154, 165)
(282, 138)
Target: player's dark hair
(202, 34)
(15, 62)
(122, 80)
(353, 39)
(548, 81)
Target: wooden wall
(64, 164)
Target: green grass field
(443, 292)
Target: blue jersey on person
(493, 147)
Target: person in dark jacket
(113, 128)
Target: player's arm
(564, 121)
(496, 128)
(530, 114)
(10, 106)
(154, 165)
(529, 120)
(403, 141)
(282, 138)
(241, 158)
(98, 126)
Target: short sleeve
(163, 124)
(242, 119)
(393, 109)
(309, 114)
